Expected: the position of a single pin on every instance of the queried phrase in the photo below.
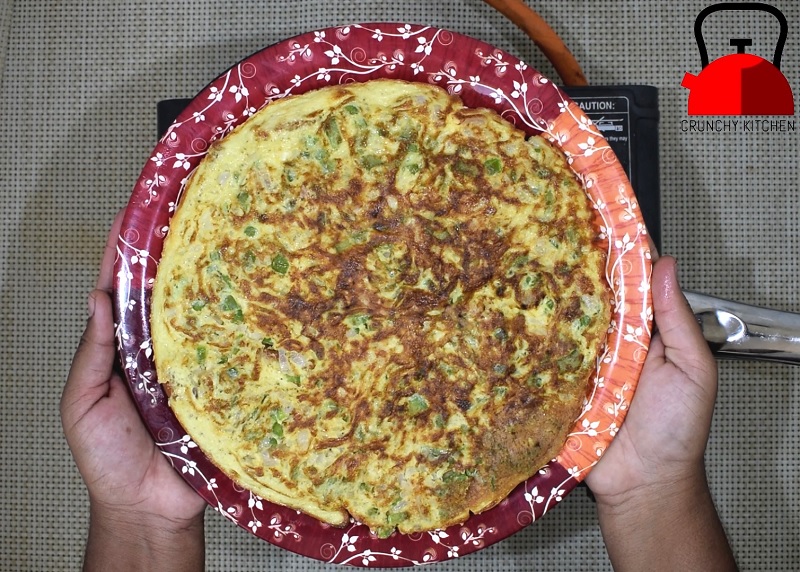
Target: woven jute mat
(78, 101)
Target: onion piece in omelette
(376, 302)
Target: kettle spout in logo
(740, 83)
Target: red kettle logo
(740, 83)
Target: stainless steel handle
(740, 331)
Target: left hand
(127, 477)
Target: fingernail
(91, 304)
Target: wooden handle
(545, 38)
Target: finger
(104, 279)
(93, 362)
(653, 249)
(684, 344)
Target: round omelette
(375, 302)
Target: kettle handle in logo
(698, 26)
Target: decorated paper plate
(483, 76)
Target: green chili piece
(454, 477)
(359, 237)
(570, 362)
(244, 201)
(278, 415)
(280, 264)
(202, 352)
(520, 261)
(329, 406)
(395, 518)
(225, 279)
(500, 391)
(250, 230)
(371, 161)
(359, 321)
(332, 132)
(417, 404)
(249, 258)
(572, 235)
(493, 166)
(536, 380)
(407, 133)
(229, 304)
(465, 168)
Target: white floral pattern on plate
(482, 76)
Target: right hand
(663, 439)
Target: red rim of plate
(483, 76)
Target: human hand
(653, 500)
(664, 435)
(135, 495)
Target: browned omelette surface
(375, 301)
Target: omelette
(376, 303)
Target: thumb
(684, 344)
(93, 363)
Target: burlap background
(79, 87)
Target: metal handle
(740, 331)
